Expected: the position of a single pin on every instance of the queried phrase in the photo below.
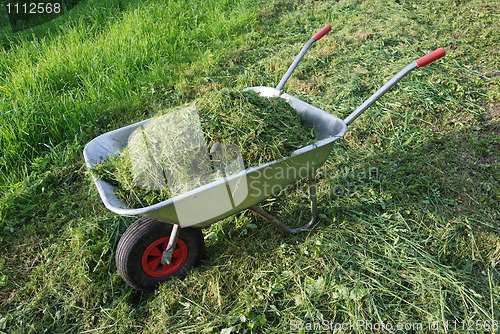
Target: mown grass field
(409, 198)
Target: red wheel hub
(151, 258)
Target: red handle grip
(429, 58)
(322, 32)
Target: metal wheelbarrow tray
(151, 252)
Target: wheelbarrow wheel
(140, 249)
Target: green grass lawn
(409, 198)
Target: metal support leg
(314, 210)
(166, 257)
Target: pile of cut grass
(186, 148)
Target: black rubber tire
(139, 236)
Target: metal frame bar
(380, 92)
(295, 63)
(282, 226)
(166, 257)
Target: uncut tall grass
(69, 82)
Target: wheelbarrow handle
(317, 36)
(325, 30)
(430, 57)
(425, 60)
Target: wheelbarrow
(167, 240)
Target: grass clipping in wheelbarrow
(185, 148)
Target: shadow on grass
(30, 27)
